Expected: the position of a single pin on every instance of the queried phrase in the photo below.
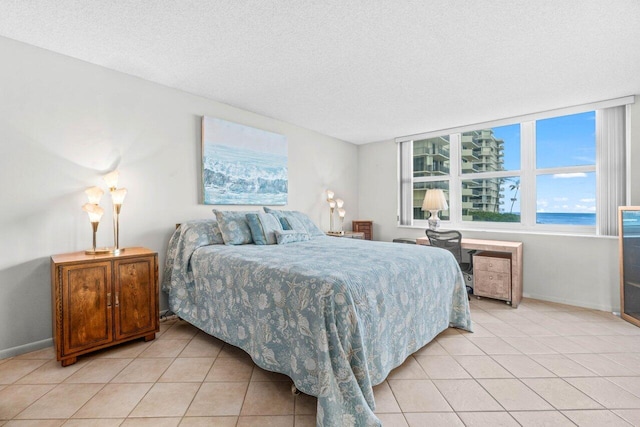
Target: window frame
(527, 173)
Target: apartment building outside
(481, 151)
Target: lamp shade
(330, 195)
(111, 179)
(95, 212)
(332, 204)
(94, 194)
(341, 213)
(339, 203)
(434, 200)
(117, 196)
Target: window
(566, 199)
(565, 169)
(488, 194)
(431, 168)
(491, 199)
(557, 171)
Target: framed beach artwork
(242, 165)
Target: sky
(218, 131)
(560, 141)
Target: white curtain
(610, 168)
(405, 216)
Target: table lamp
(434, 201)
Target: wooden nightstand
(363, 226)
(103, 300)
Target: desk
(510, 247)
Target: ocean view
(566, 218)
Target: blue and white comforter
(336, 315)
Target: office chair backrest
(450, 240)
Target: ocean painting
(242, 165)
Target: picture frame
(242, 165)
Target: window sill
(492, 229)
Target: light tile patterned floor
(542, 364)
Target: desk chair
(451, 240)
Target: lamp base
(335, 233)
(433, 221)
(117, 251)
(99, 251)
(434, 224)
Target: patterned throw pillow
(300, 221)
(204, 231)
(291, 223)
(290, 236)
(234, 227)
(263, 228)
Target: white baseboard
(39, 345)
(26, 348)
(600, 307)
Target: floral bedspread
(334, 314)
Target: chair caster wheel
(294, 390)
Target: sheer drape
(610, 168)
(405, 216)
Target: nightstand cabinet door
(135, 297)
(86, 302)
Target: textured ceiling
(361, 71)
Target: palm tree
(514, 186)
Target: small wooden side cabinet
(492, 275)
(103, 300)
(365, 227)
(506, 251)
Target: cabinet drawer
(361, 225)
(491, 263)
(491, 284)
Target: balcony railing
(432, 170)
(433, 150)
(468, 142)
(469, 167)
(469, 154)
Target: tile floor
(542, 364)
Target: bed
(336, 315)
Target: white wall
(64, 123)
(582, 271)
